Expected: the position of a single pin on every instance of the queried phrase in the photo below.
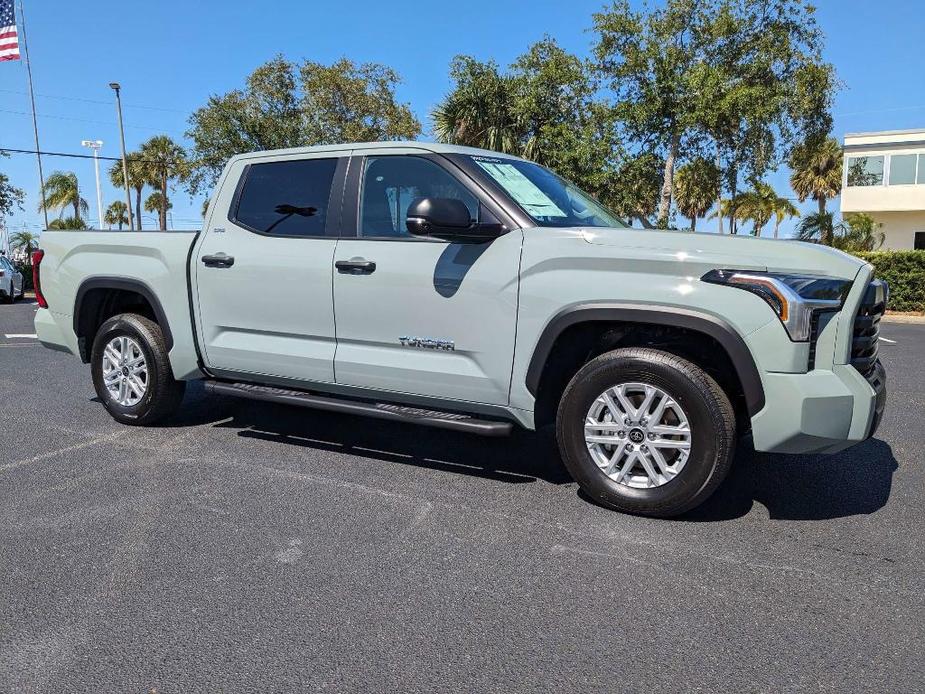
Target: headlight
(794, 298)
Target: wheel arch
(657, 317)
(99, 298)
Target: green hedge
(904, 271)
(26, 271)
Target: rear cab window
(286, 198)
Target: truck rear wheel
(131, 371)
(645, 431)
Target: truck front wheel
(131, 371)
(645, 431)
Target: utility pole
(95, 146)
(128, 195)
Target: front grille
(865, 339)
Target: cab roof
(433, 147)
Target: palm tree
(817, 226)
(155, 202)
(61, 191)
(68, 224)
(760, 204)
(116, 213)
(696, 188)
(817, 170)
(858, 232)
(136, 179)
(164, 160)
(26, 242)
(478, 112)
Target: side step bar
(380, 410)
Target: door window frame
(353, 197)
(333, 218)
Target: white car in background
(11, 281)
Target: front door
(422, 316)
(263, 274)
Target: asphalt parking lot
(248, 547)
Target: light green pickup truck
(475, 291)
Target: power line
(86, 120)
(79, 156)
(95, 101)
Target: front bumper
(819, 411)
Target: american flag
(9, 39)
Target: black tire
(11, 297)
(709, 412)
(163, 394)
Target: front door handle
(218, 260)
(355, 266)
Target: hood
(728, 251)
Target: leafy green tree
(637, 187)
(697, 185)
(62, 191)
(116, 213)
(542, 108)
(816, 170)
(11, 197)
(743, 79)
(67, 224)
(287, 105)
(164, 160)
(137, 179)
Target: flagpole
(35, 125)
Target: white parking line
(892, 342)
(33, 335)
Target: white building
(885, 178)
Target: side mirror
(449, 219)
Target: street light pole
(128, 195)
(95, 146)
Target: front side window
(550, 200)
(287, 198)
(391, 183)
(902, 169)
(865, 171)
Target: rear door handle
(355, 266)
(218, 260)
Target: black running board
(380, 410)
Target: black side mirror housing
(449, 219)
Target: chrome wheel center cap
(637, 436)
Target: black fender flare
(127, 284)
(714, 327)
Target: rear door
(263, 273)
(418, 315)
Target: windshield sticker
(522, 189)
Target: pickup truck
(475, 291)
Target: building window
(902, 169)
(919, 243)
(865, 171)
(921, 175)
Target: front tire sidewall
(118, 327)
(706, 454)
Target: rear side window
(286, 198)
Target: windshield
(550, 201)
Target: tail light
(36, 278)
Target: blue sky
(169, 56)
